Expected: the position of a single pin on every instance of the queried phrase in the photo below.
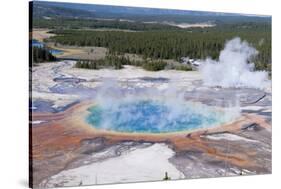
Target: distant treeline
(59, 23)
(173, 44)
(110, 61)
(139, 25)
(118, 61)
(41, 54)
(56, 10)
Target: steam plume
(232, 69)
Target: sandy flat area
(88, 53)
(41, 34)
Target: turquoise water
(147, 116)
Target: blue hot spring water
(146, 116)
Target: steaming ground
(58, 86)
(61, 84)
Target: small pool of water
(147, 116)
(55, 51)
(36, 43)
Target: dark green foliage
(87, 64)
(110, 61)
(168, 44)
(118, 61)
(42, 55)
(59, 23)
(182, 67)
(154, 65)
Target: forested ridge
(163, 44)
(139, 25)
(96, 24)
(116, 61)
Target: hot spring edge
(153, 116)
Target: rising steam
(152, 110)
(233, 68)
(128, 109)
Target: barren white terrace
(44, 80)
(143, 164)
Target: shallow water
(147, 116)
(39, 44)
(36, 43)
(55, 51)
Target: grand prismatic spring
(159, 95)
